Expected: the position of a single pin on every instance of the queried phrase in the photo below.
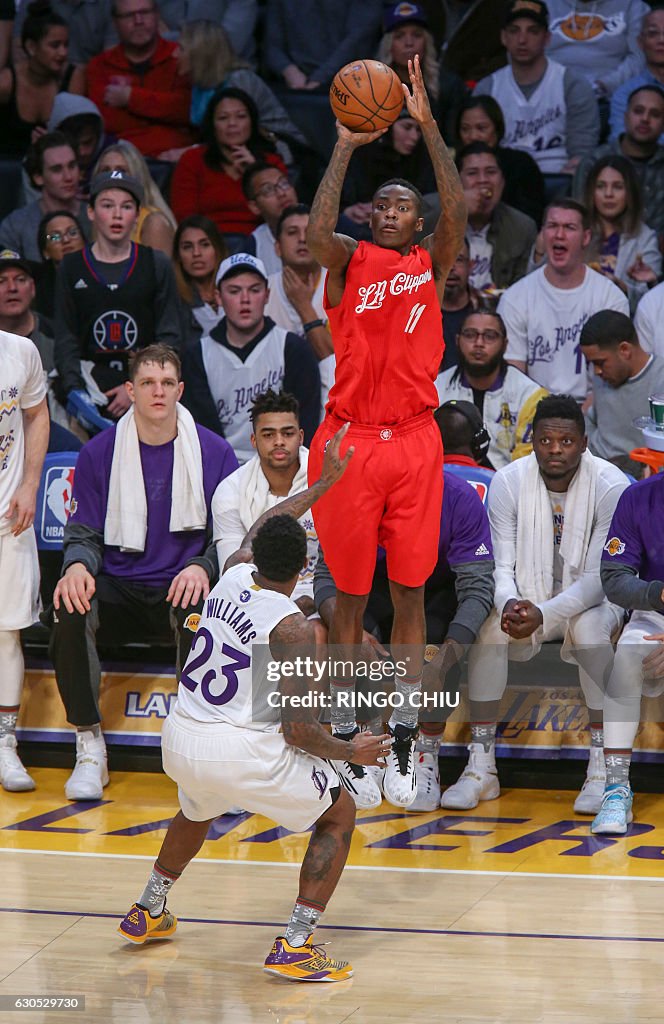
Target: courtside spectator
(549, 514)
(28, 90)
(649, 321)
(237, 19)
(79, 119)
(644, 123)
(505, 397)
(139, 559)
(137, 86)
(651, 41)
(208, 178)
(407, 34)
(296, 292)
(500, 238)
(307, 41)
(480, 119)
(459, 299)
(198, 251)
(545, 311)
(625, 377)
(623, 248)
(599, 39)
(112, 298)
(90, 25)
(25, 438)
(549, 110)
(52, 166)
(244, 355)
(268, 192)
(156, 224)
(59, 232)
(277, 470)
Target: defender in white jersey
(225, 744)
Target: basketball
(366, 95)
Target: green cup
(657, 410)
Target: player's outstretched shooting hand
(334, 466)
(357, 138)
(417, 102)
(365, 748)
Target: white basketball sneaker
(399, 783)
(357, 779)
(589, 799)
(478, 781)
(13, 776)
(427, 797)
(90, 773)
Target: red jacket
(157, 114)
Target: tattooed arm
(333, 469)
(294, 638)
(445, 242)
(328, 248)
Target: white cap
(241, 261)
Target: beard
(482, 369)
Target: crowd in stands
(157, 159)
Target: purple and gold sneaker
(139, 925)
(305, 963)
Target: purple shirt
(165, 553)
(635, 535)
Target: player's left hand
(119, 401)
(417, 102)
(334, 466)
(22, 508)
(653, 664)
(529, 619)
(188, 587)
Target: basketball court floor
(509, 914)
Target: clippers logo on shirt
(615, 546)
(373, 295)
(115, 331)
(586, 27)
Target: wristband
(312, 324)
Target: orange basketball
(366, 95)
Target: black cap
(11, 258)
(116, 179)
(536, 10)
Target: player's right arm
(328, 248)
(333, 469)
(294, 638)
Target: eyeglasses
(60, 236)
(471, 334)
(145, 12)
(282, 185)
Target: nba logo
(54, 506)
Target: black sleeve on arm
(67, 343)
(302, 379)
(208, 560)
(197, 397)
(82, 544)
(167, 306)
(623, 587)
(474, 586)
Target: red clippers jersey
(388, 337)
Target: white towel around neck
(126, 522)
(534, 537)
(255, 489)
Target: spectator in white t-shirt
(268, 192)
(545, 311)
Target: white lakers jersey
(224, 678)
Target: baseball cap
(403, 13)
(116, 179)
(239, 262)
(11, 258)
(536, 10)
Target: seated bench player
(139, 559)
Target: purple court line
(363, 928)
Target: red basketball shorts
(391, 494)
